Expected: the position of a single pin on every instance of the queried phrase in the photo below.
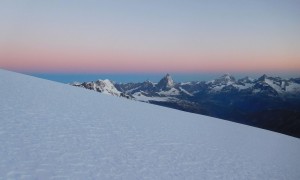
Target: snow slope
(141, 97)
(55, 131)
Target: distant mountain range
(271, 103)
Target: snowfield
(50, 130)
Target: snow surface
(274, 86)
(170, 92)
(140, 97)
(256, 90)
(293, 88)
(217, 88)
(55, 131)
(246, 86)
(185, 83)
(185, 91)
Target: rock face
(103, 86)
(165, 83)
(267, 102)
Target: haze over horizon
(154, 77)
(212, 37)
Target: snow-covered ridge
(55, 131)
(167, 87)
(103, 86)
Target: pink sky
(44, 60)
(129, 37)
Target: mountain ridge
(238, 100)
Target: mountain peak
(168, 76)
(263, 77)
(226, 78)
(105, 82)
(166, 82)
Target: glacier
(51, 130)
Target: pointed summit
(106, 87)
(263, 77)
(166, 82)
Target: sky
(157, 36)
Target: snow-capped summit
(103, 86)
(166, 82)
(278, 85)
(107, 87)
(226, 79)
(221, 82)
(262, 78)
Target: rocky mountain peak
(263, 77)
(225, 79)
(166, 82)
